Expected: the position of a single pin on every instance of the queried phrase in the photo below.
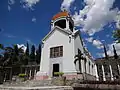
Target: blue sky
(29, 20)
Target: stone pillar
(104, 79)
(111, 74)
(92, 70)
(67, 24)
(118, 68)
(30, 74)
(82, 66)
(35, 72)
(96, 73)
(25, 71)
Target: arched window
(61, 23)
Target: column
(111, 74)
(67, 24)
(30, 74)
(96, 73)
(118, 68)
(25, 71)
(35, 72)
(104, 79)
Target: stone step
(38, 88)
(30, 83)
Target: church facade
(61, 47)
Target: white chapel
(59, 48)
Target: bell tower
(62, 20)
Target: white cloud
(28, 4)
(98, 44)
(103, 40)
(107, 35)
(9, 8)
(11, 2)
(98, 13)
(78, 20)
(9, 35)
(90, 39)
(66, 4)
(118, 20)
(100, 55)
(110, 49)
(33, 19)
(22, 46)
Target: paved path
(37, 88)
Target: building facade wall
(89, 69)
(70, 49)
(66, 62)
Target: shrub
(22, 75)
(58, 73)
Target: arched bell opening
(61, 23)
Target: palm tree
(79, 57)
(12, 55)
(38, 54)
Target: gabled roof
(56, 28)
(74, 34)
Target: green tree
(26, 57)
(27, 50)
(79, 57)
(32, 55)
(12, 55)
(1, 60)
(116, 35)
(1, 46)
(38, 54)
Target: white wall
(78, 44)
(92, 71)
(70, 49)
(58, 38)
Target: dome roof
(60, 14)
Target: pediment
(66, 32)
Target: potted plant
(58, 74)
(22, 76)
